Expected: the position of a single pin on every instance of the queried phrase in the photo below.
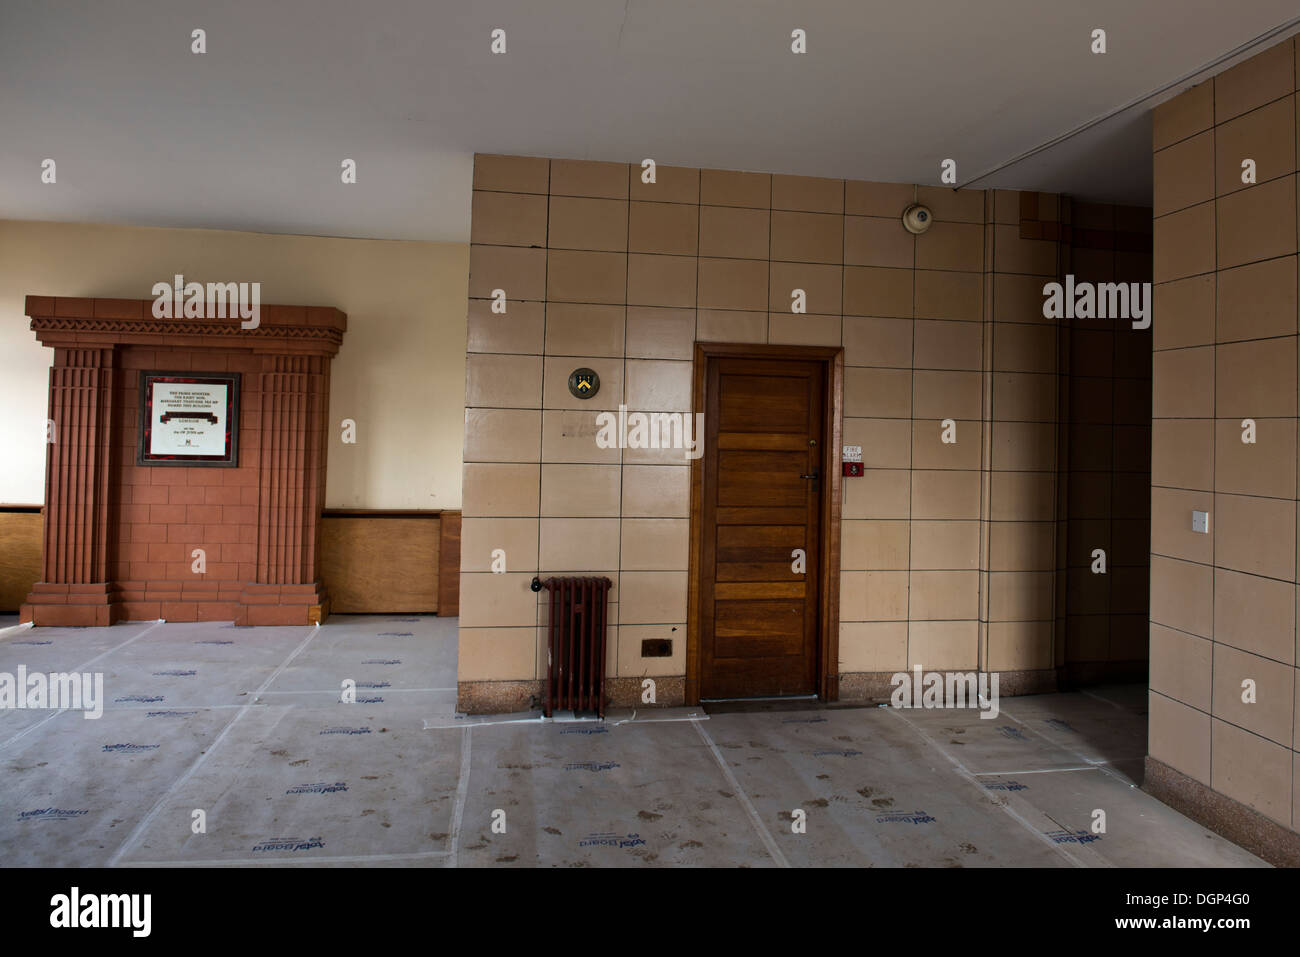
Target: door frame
(828, 612)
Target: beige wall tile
(878, 241)
(1025, 396)
(1254, 82)
(503, 382)
(570, 436)
(875, 596)
(886, 443)
(497, 601)
(1256, 378)
(1011, 253)
(581, 491)
(661, 280)
(715, 325)
(879, 493)
(807, 237)
(1024, 348)
(673, 184)
(671, 228)
(947, 345)
(1252, 770)
(501, 490)
(659, 385)
(1266, 135)
(1182, 453)
(1020, 645)
(877, 342)
(878, 393)
(588, 178)
(953, 205)
(1184, 243)
(1022, 496)
(496, 654)
(733, 284)
(944, 545)
(1183, 383)
(656, 491)
(946, 395)
(1182, 595)
(943, 645)
(735, 188)
(520, 329)
(877, 199)
(584, 223)
(809, 194)
(951, 246)
(658, 333)
(1180, 666)
(1024, 446)
(1020, 596)
(1184, 174)
(939, 494)
(929, 451)
(632, 665)
(516, 537)
(1256, 223)
(648, 597)
(873, 291)
(501, 435)
(508, 219)
(1022, 546)
(578, 544)
(1257, 301)
(1179, 736)
(520, 272)
(1185, 115)
(803, 330)
(515, 174)
(943, 595)
(1018, 298)
(1254, 614)
(734, 233)
(584, 329)
(873, 646)
(1255, 535)
(1265, 467)
(949, 295)
(655, 544)
(821, 287)
(1171, 524)
(866, 544)
(573, 276)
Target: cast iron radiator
(575, 643)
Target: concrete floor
(249, 720)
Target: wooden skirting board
(20, 554)
(371, 561)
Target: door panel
(764, 425)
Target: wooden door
(762, 486)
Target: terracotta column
(74, 586)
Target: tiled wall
(949, 550)
(1106, 460)
(1223, 604)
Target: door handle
(813, 476)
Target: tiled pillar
(74, 588)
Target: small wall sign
(584, 383)
(189, 419)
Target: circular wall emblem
(584, 383)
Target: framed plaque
(189, 418)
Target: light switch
(1200, 522)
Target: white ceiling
(251, 134)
